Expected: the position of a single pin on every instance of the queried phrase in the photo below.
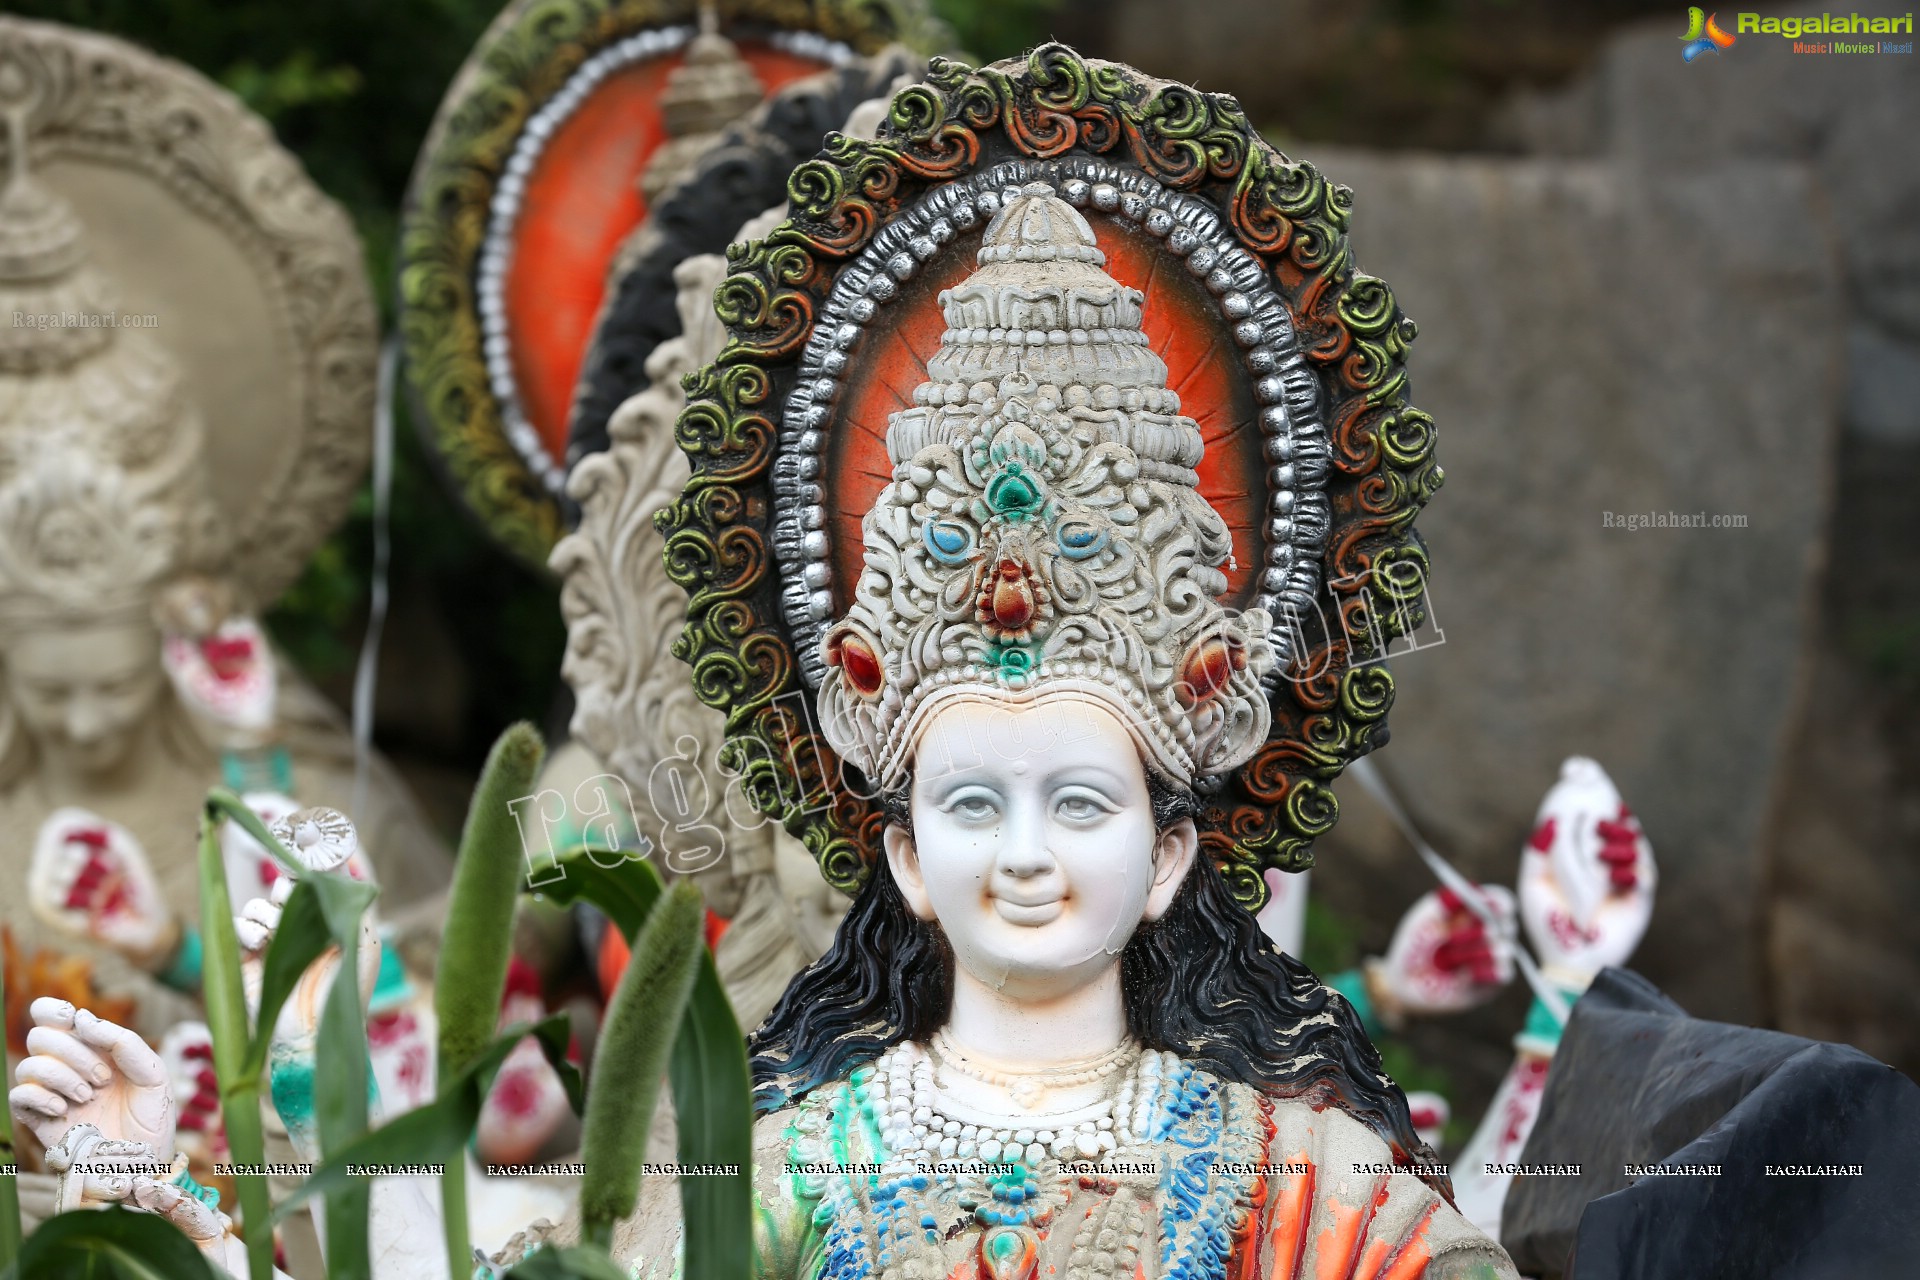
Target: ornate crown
(1044, 526)
(103, 494)
(946, 453)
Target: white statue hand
(86, 1070)
(96, 1170)
(1444, 959)
(255, 926)
(1587, 877)
(90, 877)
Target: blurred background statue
(186, 390)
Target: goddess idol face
(84, 691)
(1033, 842)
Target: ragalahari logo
(1703, 34)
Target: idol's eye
(1079, 540)
(972, 804)
(1079, 805)
(947, 541)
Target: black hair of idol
(1203, 982)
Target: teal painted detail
(290, 1085)
(205, 1195)
(267, 769)
(1012, 493)
(1541, 1025)
(183, 971)
(391, 986)
(1352, 984)
(1016, 661)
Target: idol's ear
(1173, 854)
(903, 859)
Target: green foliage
(993, 29)
(437, 1133)
(1329, 943)
(583, 1262)
(226, 1007)
(486, 878)
(472, 971)
(108, 1244)
(712, 1087)
(323, 911)
(634, 1043)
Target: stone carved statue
(154, 494)
(704, 94)
(1050, 1032)
(633, 707)
(999, 588)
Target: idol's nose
(1023, 853)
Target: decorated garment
(1177, 1174)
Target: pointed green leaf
(226, 1006)
(299, 940)
(712, 1086)
(109, 1244)
(581, 1262)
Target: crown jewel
(1043, 528)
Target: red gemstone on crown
(1208, 667)
(1012, 604)
(856, 659)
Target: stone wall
(1603, 335)
(1838, 875)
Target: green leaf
(438, 1132)
(581, 1262)
(340, 1080)
(226, 1006)
(712, 1086)
(300, 938)
(109, 1244)
(222, 803)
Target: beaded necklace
(945, 1168)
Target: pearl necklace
(1029, 1087)
(919, 1126)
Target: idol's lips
(1037, 910)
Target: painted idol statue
(1047, 503)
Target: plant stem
(9, 1184)
(226, 1005)
(453, 1216)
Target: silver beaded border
(1298, 445)
(503, 214)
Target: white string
(1466, 890)
(367, 675)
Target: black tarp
(1637, 1082)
